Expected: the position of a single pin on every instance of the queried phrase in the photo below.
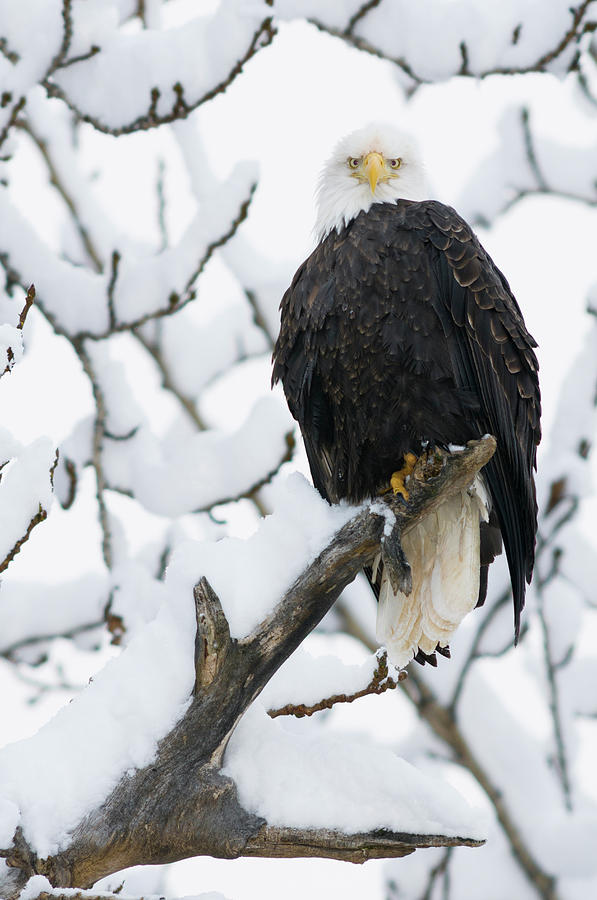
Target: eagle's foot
(398, 479)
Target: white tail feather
(443, 552)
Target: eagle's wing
(492, 354)
(306, 326)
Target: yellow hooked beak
(375, 167)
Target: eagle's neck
(340, 200)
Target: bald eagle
(399, 334)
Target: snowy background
(160, 238)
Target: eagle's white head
(376, 164)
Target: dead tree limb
(181, 805)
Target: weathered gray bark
(181, 805)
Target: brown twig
(97, 448)
(67, 197)
(37, 519)
(67, 34)
(168, 382)
(29, 301)
(381, 682)
(259, 318)
(111, 287)
(28, 304)
(9, 653)
(161, 204)
(441, 869)
(251, 492)
(360, 14)
(531, 153)
(11, 55)
(474, 651)
(16, 110)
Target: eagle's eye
(395, 163)
(353, 162)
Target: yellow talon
(398, 479)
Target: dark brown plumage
(399, 331)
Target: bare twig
(67, 34)
(10, 652)
(29, 301)
(474, 651)
(361, 44)
(11, 55)
(360, 14)
(39, 517)
(441, 869)
(18, 106)
(531, 152)
(381, 682)
(259, 318)
(161, 204)
(28, 304)
(111, 286)
(168, 382)
(554, 704)
(543, 187)
(251, 492)
(72, 60)
(97, 450)
(69, 200)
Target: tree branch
(40, 516)
(181, 109)
(151, 817)
(98, 444)
(445, 726)
(381, 682)
(579, 26)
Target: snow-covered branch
(542, 167)
(477, 41)
(151, 815)
(166, 83)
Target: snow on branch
(477, 39)
(26, 476)
(168, 73)
(68, 610)
(136, 290)
(167, 794)
(11, 339)
(541, 167)
(208, 469)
